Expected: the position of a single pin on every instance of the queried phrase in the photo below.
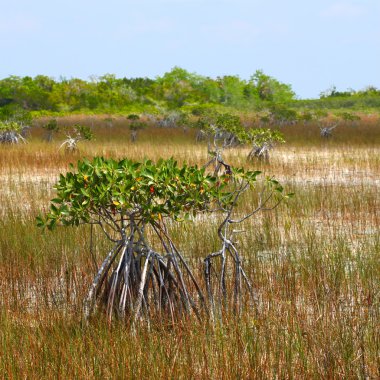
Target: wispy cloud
(233, 31)
(199, 2)
(344, 9)
(19, 24)
(144, 27)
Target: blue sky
(311, 45)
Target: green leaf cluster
(225, 124)
(51, 126)
(349, 116)
(83, 132)
(145, 191)
(10, 126)
(261, 136)
(135, 122)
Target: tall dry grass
(314, 262)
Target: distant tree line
(176, 89)
(332, 92)
(366, 98)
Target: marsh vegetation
(314, 263)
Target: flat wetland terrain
(314, 262)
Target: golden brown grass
(314, 262)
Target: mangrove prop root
(137, 283)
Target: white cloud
(344, 10)
(198, 2)
(145, 26)
(18, 24)
(233, 31)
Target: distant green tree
(135, 125)
(75, 134)
(178, 87)
(11, 132)
(270, 89)
(263, 140)
(50, 127)
(232, 90)
(333, 93)
(27, 92)
(369, 91)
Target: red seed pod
(151, 189)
